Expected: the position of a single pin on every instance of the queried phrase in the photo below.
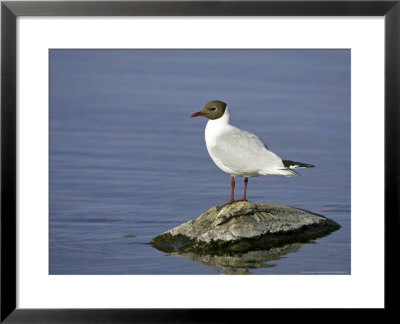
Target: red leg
(233, 189)
(232, 193)
(245, 189)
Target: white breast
(214, 129)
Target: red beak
(200, 113)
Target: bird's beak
(199, 113)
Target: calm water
(127, 163)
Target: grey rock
(244, 226)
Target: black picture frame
(10, 10)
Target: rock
(244, 226)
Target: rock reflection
(241, 263)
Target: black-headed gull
(239, 152)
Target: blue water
(127, 163)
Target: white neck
(223, 120)
(216, 127)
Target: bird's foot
(228, 203)
(243, 199)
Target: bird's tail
(290, 165)
(296, 165)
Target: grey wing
(244, 152)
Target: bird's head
(212, 110)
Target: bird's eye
(212, 108)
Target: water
(127, 163)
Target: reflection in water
(240, 263)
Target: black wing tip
(289, 163)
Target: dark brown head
(212, 110)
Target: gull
(238, 152)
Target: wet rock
(244, 226)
